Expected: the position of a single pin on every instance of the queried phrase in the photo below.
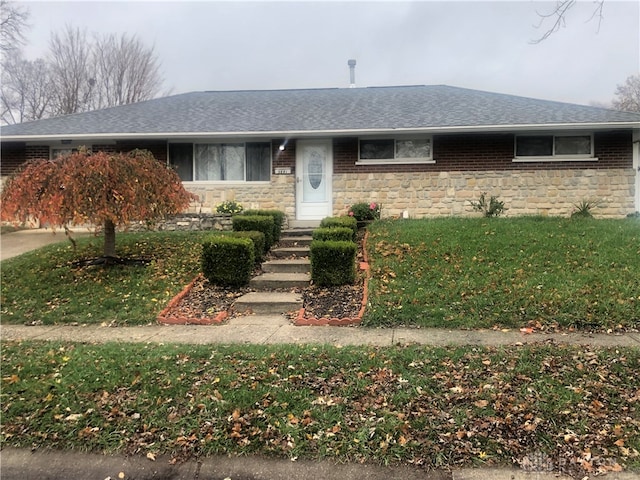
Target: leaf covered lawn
(542, 407)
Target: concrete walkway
(269, 330)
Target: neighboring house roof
(323, 111)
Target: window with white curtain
(216, 162)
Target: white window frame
(396, 160)
(244, 142)
(580, 157)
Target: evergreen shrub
(259, 223)
(278, 220)
(344, 222)
(333, 263)
(338, 234)
(228, 261)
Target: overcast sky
(231, 45)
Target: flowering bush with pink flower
(365, 211)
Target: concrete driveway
(16, 243)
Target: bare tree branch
(26, 91)
(13, 21)
(628, 95)
(559, 17)
(71, 69)
(126, 71)
(77, 75)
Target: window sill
(400, 161)
(554, 159)
(197, 183)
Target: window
(238, 162)
(57, 152)
(398, 150)
(554, 147)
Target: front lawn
(505, 273)
(543, 407)
(450, 272)
(45, 286)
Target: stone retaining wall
(524, 192)
(187, 222)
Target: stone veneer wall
(524, 192)
(279, 194)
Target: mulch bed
(203, 301)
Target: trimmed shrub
(345, 222)
(337, 234)
(258, 242)
(278, 220)
(258, 223)
(256, 237)
(333, 263)
(228, 261)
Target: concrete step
(268, 281)
(293, 265)
(304, 223)
(297, 232)
(290, 252)
(268, 303)
(296, 241)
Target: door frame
(301, 214)
(636, 166)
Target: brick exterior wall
(465, 166)
(456, 153)
(12, 156)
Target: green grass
(449, 406)
(44, 286)
(452, 273)
(483, 273)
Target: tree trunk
(109, 239)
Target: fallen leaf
(151, 456)
(74, 417)
(526, 330)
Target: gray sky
(213, 45)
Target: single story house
(417, 150)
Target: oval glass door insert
(315, 170)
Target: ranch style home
(417, 150)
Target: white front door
(314, 170)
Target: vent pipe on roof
(352, 73)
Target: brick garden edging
(302, 321)
(166, 319)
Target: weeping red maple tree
(108, 189)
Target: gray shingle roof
(322, 110)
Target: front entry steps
(268, 303)
(290, 270)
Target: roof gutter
(331, 133)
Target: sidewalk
(268, 330)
